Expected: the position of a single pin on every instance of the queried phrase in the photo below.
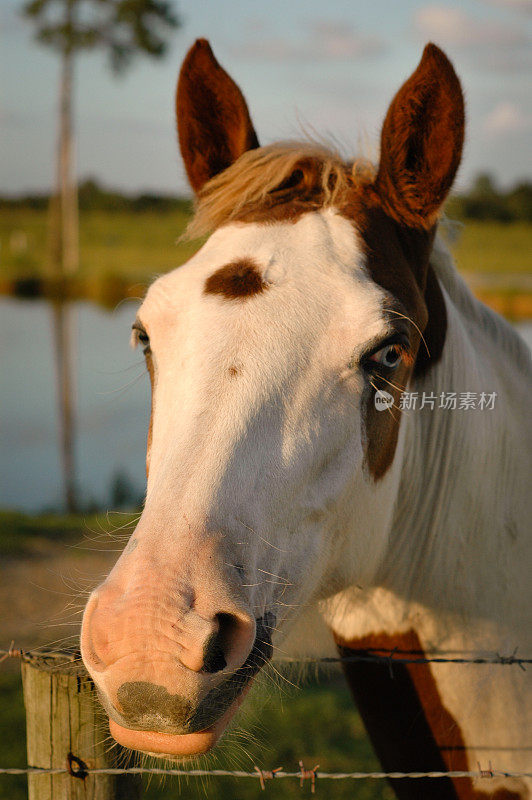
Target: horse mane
(502, 334)
(309, 174)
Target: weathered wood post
(64, 725)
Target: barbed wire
(383, 656)
(33, 655)
(78, 769)
(386, 656)
(266, 774)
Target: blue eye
(389, 356)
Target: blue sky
(331, 67)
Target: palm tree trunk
(66, 181)
(64, 256)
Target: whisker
(261, 537)
(116, 393)
(393, 385)
(273, 575)
(408, 319)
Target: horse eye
(141, 337)
(388, 356)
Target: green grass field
(136, 247)
(494, 248)
(279, 723)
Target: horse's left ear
(421, 142)
(213, 120)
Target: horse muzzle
(158, 704)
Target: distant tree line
(94, 197)
(484, 201)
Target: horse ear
(213, 121)
(421, 142)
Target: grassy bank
(137, 246)
(122, 251)
(280, 723)
(494, 248)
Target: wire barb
(267, 775)
(306, 774)
(486, 773)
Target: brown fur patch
(237, 280)
(382, 426)
(410, 728)
(213, 121)
(397, 258)
(421, 141)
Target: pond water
(112, 405)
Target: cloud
(506, 118)
(486, 45)
(322, 40)
(515, 5)
(455, 28)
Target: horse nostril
(221, 647)
(213, 655)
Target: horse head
(276, 356)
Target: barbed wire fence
(376, 655)
(76, 767)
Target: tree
(484, 186)
(124, 29)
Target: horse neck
(460, 516)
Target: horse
(291, 478)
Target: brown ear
(421, 142)
(213, 120)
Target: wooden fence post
(64, 723)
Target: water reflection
(112, 405)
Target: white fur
(273, 459)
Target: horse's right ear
(421, 142)
(213, 121)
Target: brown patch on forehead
(236, 280)
(408, 723)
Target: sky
(330, 68)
